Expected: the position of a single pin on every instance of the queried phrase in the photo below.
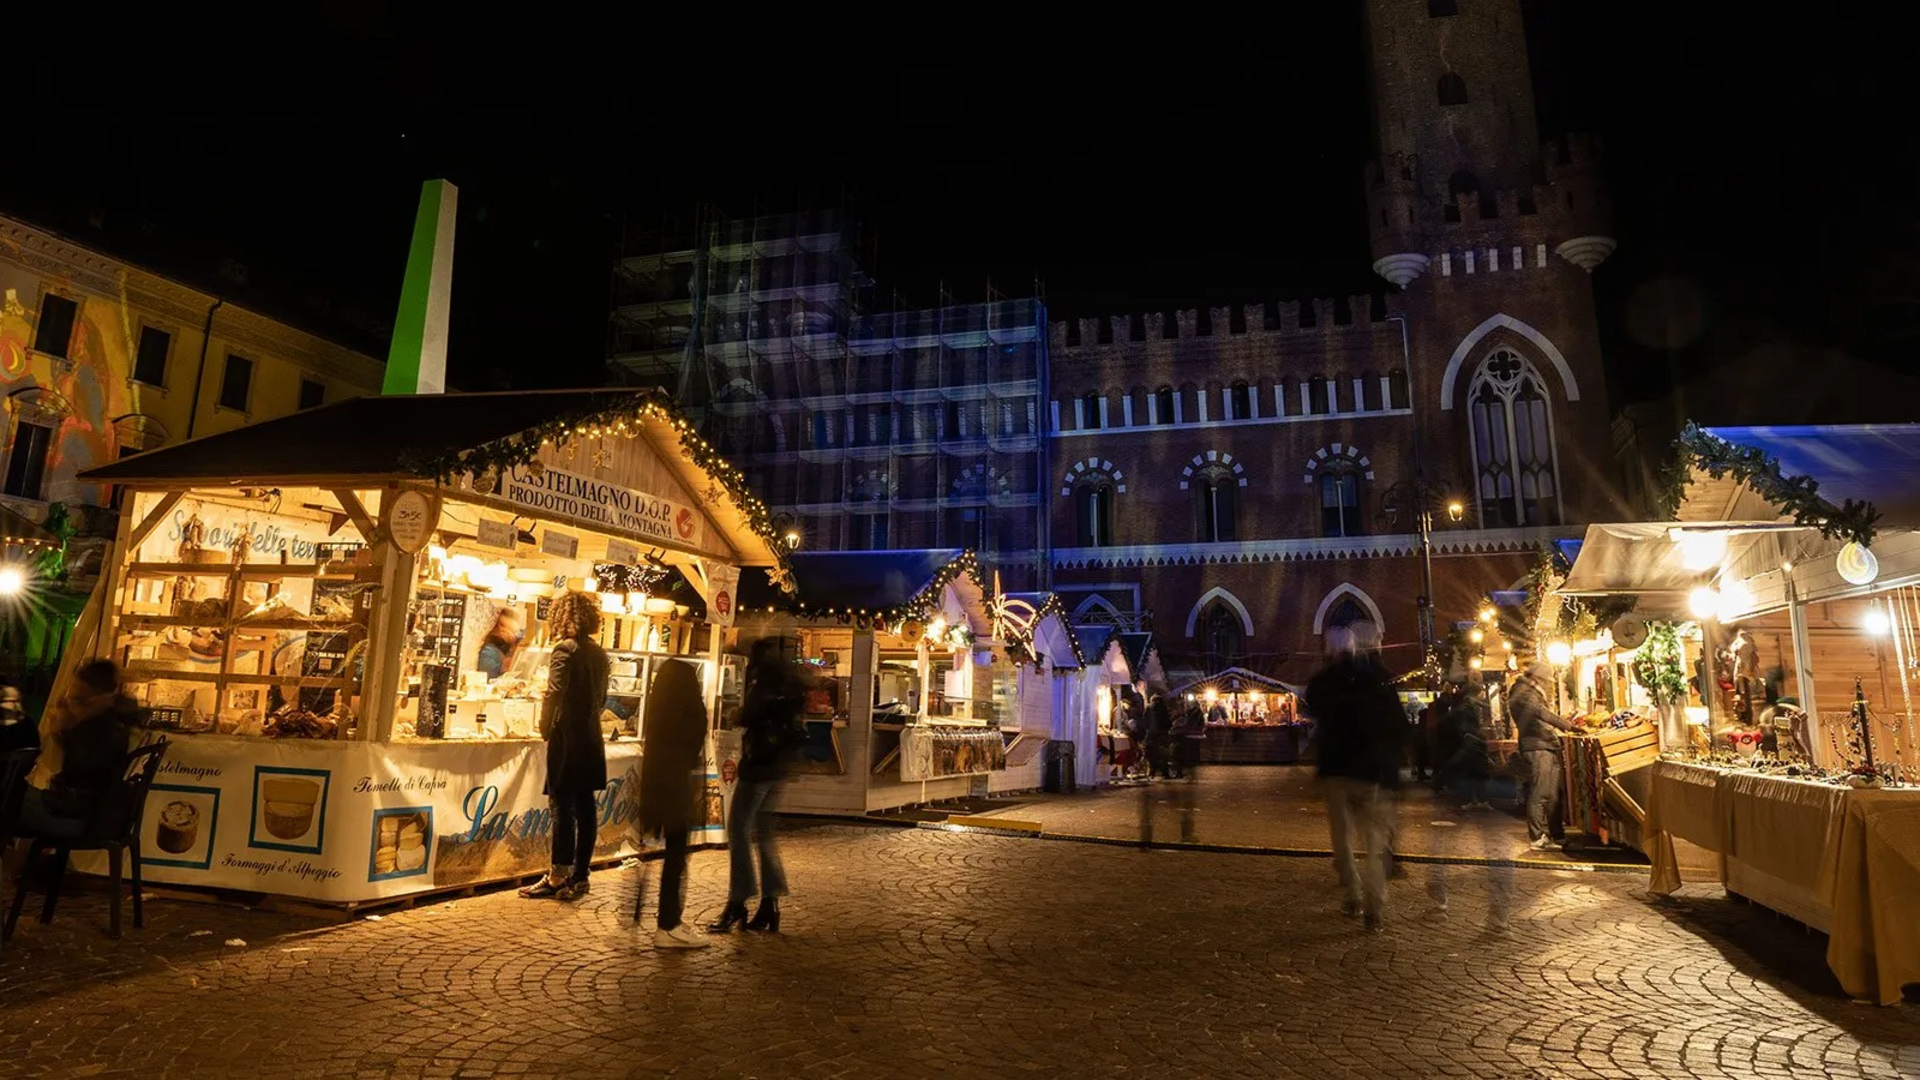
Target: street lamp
(1422, 498)
(785, 527)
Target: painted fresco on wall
(96, 384)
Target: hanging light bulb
(1704, 602)
(1700, 550)
(1876, 622)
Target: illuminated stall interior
(255, 605)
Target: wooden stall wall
(1840, 652)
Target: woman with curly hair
(576, 754)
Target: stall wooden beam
(151, 522)
(357, 513)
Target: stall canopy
(864, 582)
(1050, 633)
(1101, 646)
(1751, 537)
(1143, 660)
(17, 531)
(467, 441)
(1236, 680)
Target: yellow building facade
(100, 359)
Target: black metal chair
(13, 788)
(114, 829)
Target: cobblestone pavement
(1279, 807)
(914, 953)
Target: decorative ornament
(1856, 563)
(602, 457)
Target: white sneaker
(1545, 843)
(683, 936)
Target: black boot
(734, 915)
(768, 917)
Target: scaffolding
(871, 430)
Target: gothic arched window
(1453, 89)
(1340, 501)
(1220, 632)
(1093, 513)
(1397, 388)
(1244, 406)
(1510, 421)
(1317, 395)
(1163, 405)
(1090, 411)
(1215, 498)
(1345, 613)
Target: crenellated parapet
(1418, 220)
(1335, 319)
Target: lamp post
(1422, 499)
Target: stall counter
(352, 822)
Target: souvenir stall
(1795, 551)
(1251, 719)
(1047, 667)
(1103, 679)
(341, 620)
(913, 697)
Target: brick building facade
(1252, 476)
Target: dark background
(1763, 170)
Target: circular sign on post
(723, 603)
(1857, 564)
(410, 519)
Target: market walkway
(1274, 807)
(916, 953)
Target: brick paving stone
(915, 952)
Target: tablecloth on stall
(1874, 890)
(1685, 801)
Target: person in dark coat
(577, 674)
(674, 738)
(91, 731)
(1362, 732)
(1540, 727)
(1159, 738)
(773, 735)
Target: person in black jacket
(674, 738)
(1362, 733)
(1540, 727)
(577, 673)
(91, 731)
(773, 736)
(1159, 738)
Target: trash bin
(1058, 777)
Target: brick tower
(1493, 237)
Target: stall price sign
(497, 534)
(622, 551)
(411, 519)
(561, 544)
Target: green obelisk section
(417, 359)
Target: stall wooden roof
(372, 440)
(868, 583)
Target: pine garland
(620, 419)
(1658, 665)
(1796, 495)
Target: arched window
(1215, 499)
(1090, 411)
(1453, 89)
(1317, 395)
(1340, 502)
(1511, 424)
(1163, 405)
(1244, 405)
(1093, 513)
(1219, 631)
(1397, 389)
(1345, 613)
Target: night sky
(1764, 173)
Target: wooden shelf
(138, 674)
(251, 570)
(164, 621)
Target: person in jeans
(577, 675)
(1540, 727)
(773, 736)
(1362, 731)
(674, 736)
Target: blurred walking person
(774, 736)
(1362, 733)
(1188, 734)
(674, 734)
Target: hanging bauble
(1856, 563)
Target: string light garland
(882, 618)
(1796, 495)
(624, 419)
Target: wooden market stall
(1796, 554)
(1047, 674)
(339, 619)
(1252, 719)
(914, 696)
